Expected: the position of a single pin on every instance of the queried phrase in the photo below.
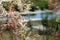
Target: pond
(39, 15)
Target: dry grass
(28, 35)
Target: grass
(26, 35)
(32, 36)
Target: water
(39, 16)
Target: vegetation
(7, 4)
(37, 4)
(42, 4)
(48, 23)
(46, 4)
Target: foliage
(41, 3)
(7, 4)
(16, 8)
(29, 23)
(58, 19)
(44, 20)
(33, 8)
(51, 22)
